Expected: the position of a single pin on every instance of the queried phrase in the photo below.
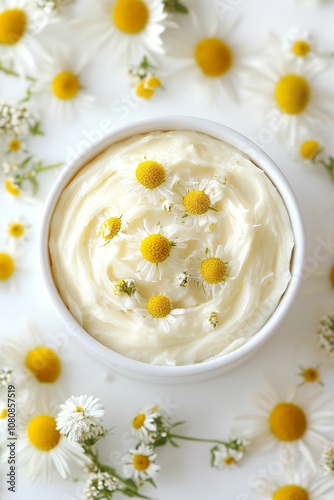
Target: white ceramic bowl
(254, 153)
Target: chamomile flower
(211, 270)
(60, 82)
(296, 425)
(224, 457)
(144, 423)
(37, 367)
(151, 181)
(3, 418)
(7, 266)
(197, 205)
(309, 375)
(111, 227)
(16, 231)
(302, 106)
(299, 47)
(159, 312)
(127, 29)
(296, 485)
(139, 463)
(210, 57)
(19, 31)
(43, 449)
(78, 416)
(155, 247)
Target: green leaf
(34, 184)
(36, 129)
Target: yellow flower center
(155, 248)
(309, 149)
(138, 421)
(292, 94)
(310, 375)
(213, 56)
(79, 409)
(7, 266)
(111, 227)
(196, 202)
(130, 16)
(3, 414)
(44, 363)
(13, 24)
(143, 91)
(290, 492)
(331, 275)
(42, 432)
(153, 82)
(213, 270)
(14, 145)
(16, 229)
(229, 461)
(65, 85)
(301, 48)
(150, 174)
(140, 462)
(287, 422)
(159, 306)
(12, 188)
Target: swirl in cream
(211, 235)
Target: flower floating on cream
(159, 312)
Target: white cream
(252, 226)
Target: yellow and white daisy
(10, 269)
(302, 106)
(16, 232)
(211, 270)
(309, 375)
(296, 424)
(60, 82)
(111, 226)
(19, 43)
(139, 463)
(15, 191)
(197, 205)
(42, 449)
(296, 485)
(36, 366)
(126, 29)
(158, 312)
(210, 57)
(155, 248)
(3, 419)
(78, 416)
(151, 180)
(144, 423)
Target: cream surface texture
(245, 231)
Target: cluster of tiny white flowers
(5, 376)
(229, 454)
(16, 119)
(51, 6)
(213, 319)
(99, 483)
(327, 460)
(325, 334)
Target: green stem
(200, 440)
(11, 72)
(44, 168)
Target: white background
(211, 407)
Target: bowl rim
(257, 156)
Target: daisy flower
(310, 375)
(297, 485)
(139, 463)
(211, 270)
(15, 191)
(159, 312)
(227, 456)
(43, 449)
(36, 366)
(210, 57)
(151, 180)
(60, 83)
(144, 423)
(78, 416)
(300, 48)
(17, 231)
(325, 334)
(197, 205)
(7, 266)
(301, 105)
(327, 459)
(156, 249)
(3, 418)
(111, 226)
(296, 425)
(18, 34)
(127, 29)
